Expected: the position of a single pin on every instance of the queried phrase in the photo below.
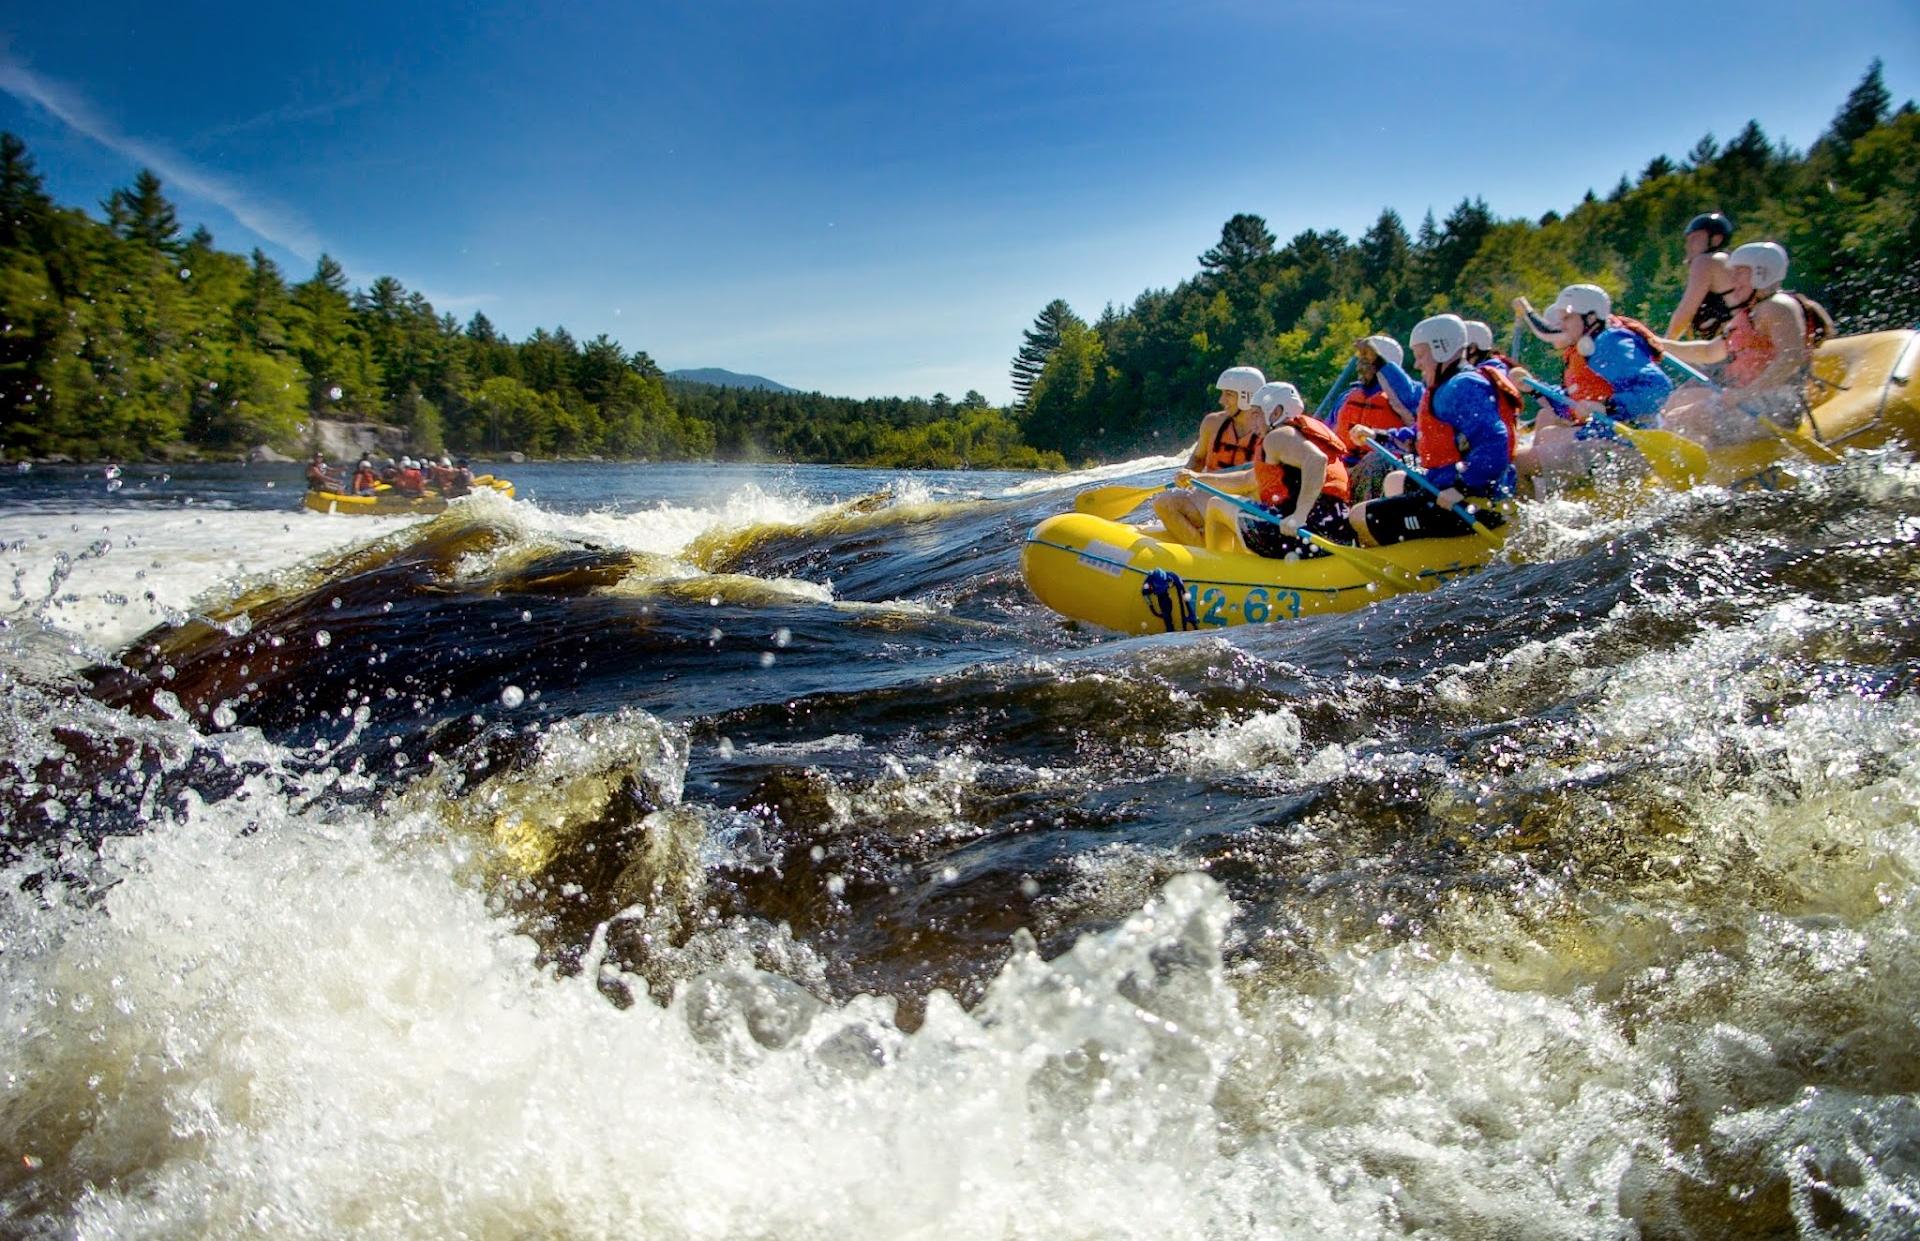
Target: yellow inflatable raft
(387, 502)
(1124, 578)
(1862, 396)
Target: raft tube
(1134, 581)
(385, 501)
(1862, 397)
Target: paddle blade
(1676, 460)
(1112, 503)
(1392, 576)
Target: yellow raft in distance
(387, 502)
(1102, 572)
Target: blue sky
(875, 199)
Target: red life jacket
(1363, 410)
(1439, 444)
(1581, 381)
(1277, 481)
(1507, 399)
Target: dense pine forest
(1848, 212)
(121, 337)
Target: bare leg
(1223, 528)
(1180, 513)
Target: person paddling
(1298, 476)
(1229, 436)
(1383, 399)
(1610, 373)
(1704, 307)
(1767, 345)
(1463, 447)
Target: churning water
(694, 852)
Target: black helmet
(1715, 224)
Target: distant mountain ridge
(728, 379)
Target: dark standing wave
(1576, 898)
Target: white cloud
(263, 219)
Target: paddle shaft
(1458, 510)
(1388, 574)
(1813, 448)
(1339, 386)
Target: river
(741, 852)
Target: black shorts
(1416, 515)
(1327, 518)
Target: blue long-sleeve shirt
(1640, 387)
(1467, 404)
(1405, 388)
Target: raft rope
(1161, 588)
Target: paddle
(1675, 459)
(1114, 502)
(1812, 448)
(1459, 510)
(1390, 575)
(1339, 386)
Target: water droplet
(223, 716)
(334, 393)
(512, 696)
(948, 874)
(323, 638)
(836, 884)
(766, 659)
(1029, 887)
(526, 616)
(782, 636)
(817, 853)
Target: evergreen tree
(1038, 344)
(1243, 240)
(143, 215)
(1866, 108)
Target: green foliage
(1848, 213)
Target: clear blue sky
(875, 199)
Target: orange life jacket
(1362, 409)
(1277, 481)
(1233, 453)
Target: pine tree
(1038, 344)
(143, 214)
(1868, 106)
(24, 205)
(1385, 253)
(1243, 240)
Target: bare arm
(1783, 324)
(1698, 352)
(1699, 280)
(1288, 446)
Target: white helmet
(1445, 336)
(1388, 348)
(1282, 395)
(1245, 380)
(1479, 336)
(1579, 299)
(1766, 259)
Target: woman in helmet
(1229, 436)
(1704, 307)
(1610, 367)
(1298, 476)
(1767, 344)
(1463, 445)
